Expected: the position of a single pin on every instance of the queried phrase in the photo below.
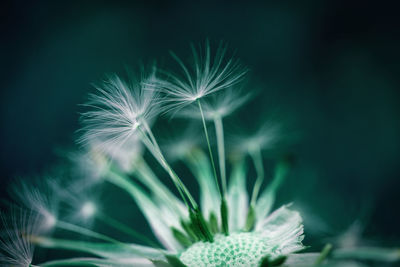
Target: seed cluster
(238, 249)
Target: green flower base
(238, 249)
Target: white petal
(150, 209)
(139, 262)
(105, 250)
(237, 198)
(199, 164)
(283, 229)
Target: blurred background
(331, 66)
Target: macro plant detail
(226, 226)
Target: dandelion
(266, 137)
(15, 246)
(122, 112)
(39, 197)
(87, 167)
(218, 105)
(78, 203)
(118, 110)
(187, 233)
(204, 77)
(215, 109)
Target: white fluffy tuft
(117, 111)
(15, 247)
(206, 77)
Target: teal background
(332, 67)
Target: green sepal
(278, 261)
(324, 254)
(251, 219)
(181, 237)
(224, 216)
(195, 225)
(159, 263)
(267, 262)
(187, 226)
(213, 222)
(204, 226)
(174, 261)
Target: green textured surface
(239, 249)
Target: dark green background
(331, 66)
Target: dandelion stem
(151, 135)
(137, 194)
(324, 254)
(209, 148)
(258, 163)
(124, 228)
(223, 206)
(142, 170)
(224, 216)
(266, 200)
(103, 250)
(250, 219)
(219, 129)
(156, 152)
(64, 263)
(84, 231)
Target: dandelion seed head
(88, 167)
(15, 246)
(265, 138)
(118, 110)
(206, 77)
(39, 197)
(219, 105)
